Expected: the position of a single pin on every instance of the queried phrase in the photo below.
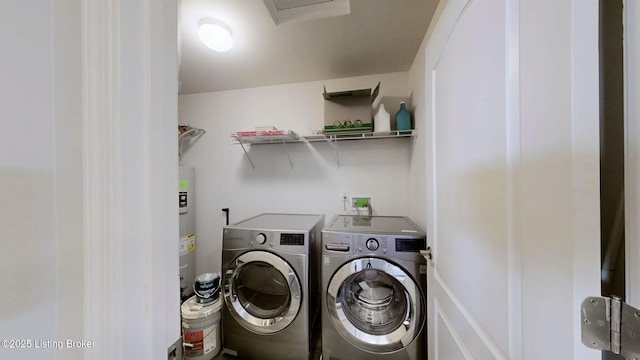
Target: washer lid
(374, 224)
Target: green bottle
(403, 118)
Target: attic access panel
(283, 11)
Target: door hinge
(609, 324)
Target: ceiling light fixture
(215, 35)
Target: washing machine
(271, 287)
(373, 304)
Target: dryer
(271, 287)
(373, 305)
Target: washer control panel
(369, 243)
(393, 245)
(372, 244)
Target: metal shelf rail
(288, 136)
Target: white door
(512, 98)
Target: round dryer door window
(375, 305)
(262, 291)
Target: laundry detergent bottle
(382, 120)
(403, 118)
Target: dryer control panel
(295, 239)
(250, 239)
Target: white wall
(40, 177)
(225, 178)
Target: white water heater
(187, 241)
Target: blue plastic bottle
(403, 118)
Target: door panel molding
(471, 338)
(450, 345)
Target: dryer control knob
(261, 238)
(372, 244)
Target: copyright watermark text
(46, 344)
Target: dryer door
(375, 305)
(262, 291)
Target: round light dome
(215, 36)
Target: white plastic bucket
(200, 329)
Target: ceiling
(378, 36)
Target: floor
(316, 340)
(221, 356)
(316, 356)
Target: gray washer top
(284, 222)
(400, 225)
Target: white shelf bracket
(335, 146)
(284, 144)
(247, 154)
(331, 140)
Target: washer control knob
(261, 238)
(372, 244)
